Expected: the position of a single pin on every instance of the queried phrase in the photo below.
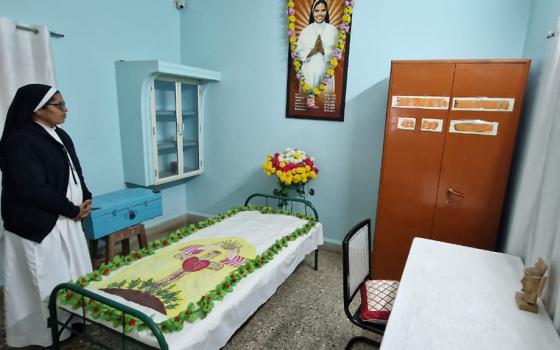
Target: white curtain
(534, 229)
(25, 57)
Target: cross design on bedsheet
(200, 257)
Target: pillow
(377, 300)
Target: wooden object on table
(533, 283)
(460, 298)
(111, 241)
(449, 138)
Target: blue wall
(246, 41)
(98, 33)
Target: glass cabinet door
(190, 127)
(166, 147)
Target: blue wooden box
(115, 211)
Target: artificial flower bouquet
(293, 168)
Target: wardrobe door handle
(455, 193)
(449, 196)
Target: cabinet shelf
(169, 173)
(172, 145)
(166, 113)
(173, 113)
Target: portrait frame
(319, 41)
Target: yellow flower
(268, 173)
(307, 168)
(289, 181)
(297, 68)
(291, 26)
(299, 170)
(268, 157)
(297, 178)
(293, 39)
(330, 72)
(348, 10)
(278, 173)
(306, 87)
(293, 171)
(312, 174)
(334, 62)
(322, 86)
(345, 19)
(342, 36)
(273, 170)
(290, 4)
(292, 18)
(293, 47)
(297, 155)
(316, 91)
(297, 63)
(340, 45)
(304, 179)
(282, 164)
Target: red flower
(177, 318)
(106, 272)
(132, 322)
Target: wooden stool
(111, 240)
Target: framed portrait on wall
(319, 38)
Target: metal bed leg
(316, 259)
(53, 323)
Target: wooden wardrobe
(449, 138)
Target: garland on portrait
(343, 30)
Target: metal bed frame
(54, 323)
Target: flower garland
(194, 311)
(343, 30)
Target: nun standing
(44, 198)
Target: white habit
(314, 67)
(32, 270)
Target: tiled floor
(305, 313)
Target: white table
(454, 297)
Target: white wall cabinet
(161, 114)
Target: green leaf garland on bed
(160, 294)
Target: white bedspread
(261, 230)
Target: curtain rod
(35, 30)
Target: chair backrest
(356, 250)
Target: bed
(195, 288)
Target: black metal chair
(356, 253)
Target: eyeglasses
(61, 105)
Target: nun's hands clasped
(85, 210)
